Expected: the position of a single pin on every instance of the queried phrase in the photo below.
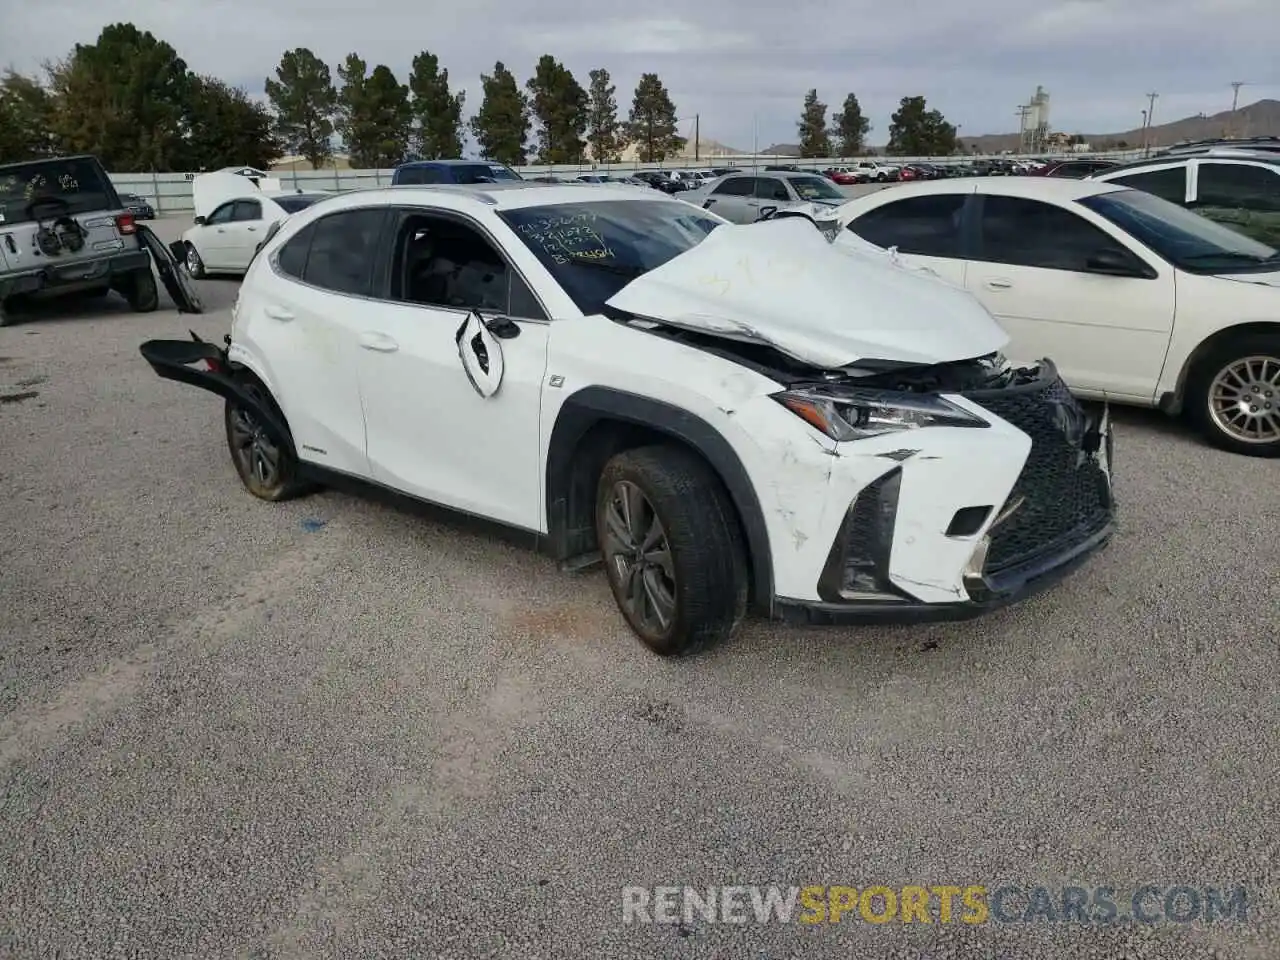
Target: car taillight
(125, 224)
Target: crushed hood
(826, 303)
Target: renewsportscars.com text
(971, 904)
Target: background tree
(502, 124)
(915, 131)
(437, 113)
(814, 139)
(122, 98)
(373, 115)
(851, 127)
(652, 124)
(304, 100)
(604, 132)
(225, 128)
(560, 107)
(26, 118)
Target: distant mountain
(706, 150)
(781, 150)
(1261, 119)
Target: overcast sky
(744, 66)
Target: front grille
(1066, 496)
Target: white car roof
(1061, 189)
(495, 196)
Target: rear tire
(7, 317)
(268, 470)
(672, 548)
(142, 292)
(1234, 395)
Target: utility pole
(1023, 110)
(1235, 100)
(1151, 113)
(696, 117)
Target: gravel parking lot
(329, 728)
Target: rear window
(297, 201)
(76, 185)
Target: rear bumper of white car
(951, 527)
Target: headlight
(853, 414)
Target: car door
(1241, 195)
(1071, 289)
(927, 231)
(305, 313)
(770, 192)
(243, 232)
(452, 361)
(213, 240)
(729, 199)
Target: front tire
(267, 469)
(1235, 396)
(672, 548)
(195, 266)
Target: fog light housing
(857, 567)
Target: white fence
(171, 192)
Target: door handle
(253, 229)
(998, 283)
(277, 313)
(220, 230)
(372, 340)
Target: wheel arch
(597, 422)
(1174, 402)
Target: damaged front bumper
(950, 532)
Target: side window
(247, 210)
(342, 252)
(222, 214)
(442, 262)
(734, 187)
(771, 188)
(928, 226)
(1239, 186)
(292, 258)
(1169, 184)
(1028, 233)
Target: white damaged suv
(727, 417)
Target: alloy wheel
(1244, 400)
(638, 556)
(194, 265)
(256, 455)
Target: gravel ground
(331, 729)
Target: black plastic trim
(1011, 586)
(46, 278)
(565, 499)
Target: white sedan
(226, 240)
(1136, 299)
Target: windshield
(298, 201)
(1186, 239)
(594, 248)
(74, 185)
(816, 188)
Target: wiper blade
(624, 270)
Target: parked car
(746, 197)
(723, 171)
(845, 176)
(232, 219)
(1074, 169)
(818, 434)
(140, 207)
(1138, 300)
(64, 231)
(420, 172)
(659, 181)
(1238, 188)
(877, 171)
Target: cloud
(742, 67)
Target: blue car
(452, 171)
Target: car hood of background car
(208, 190)
(822, 302)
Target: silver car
(747, 197)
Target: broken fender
(782, 283)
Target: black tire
(193, 263)
(7, 317)
(1200, 403)
(705, 573)
(251, 449)
(142, 292)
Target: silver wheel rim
(639, 558)
(193, 260)
(1244, 400)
